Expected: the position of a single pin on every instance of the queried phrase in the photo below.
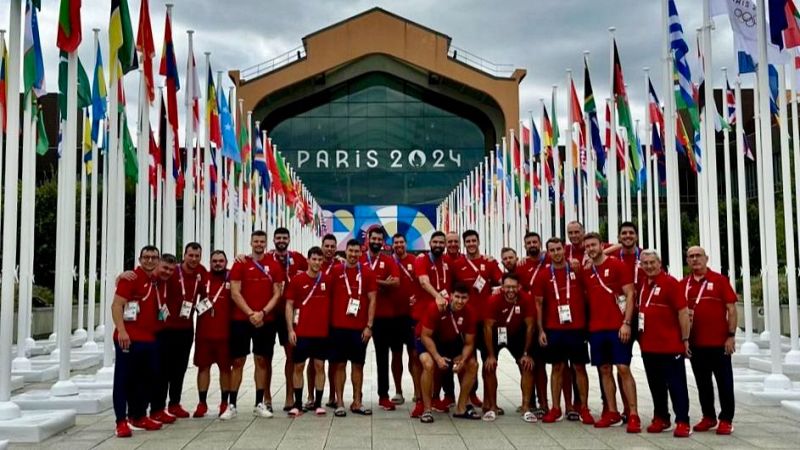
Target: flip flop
(501, 411)
(529, 417)
(320, 411)
(309, 405)
(489, 416)
(361, 410)
(295, 412)
(426, 417)
(331, 404)
(470, 414)
(340, 412)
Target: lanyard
(453, 320)
(514, 306)
(650, 297)
(436, 273)
(183, 287)
(316, 283)
(219, 291)
(347, 280)
(555, 283)
(371, 263)
(600, 279)
(262, 268)
(403, 268)
(330, 266)
(699, 294)
(535, 272)
(474, 268)
(636, 266)
(158, 294)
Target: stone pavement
(756, 427)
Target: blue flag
(230, 148)
(260, 161)
(98, 96)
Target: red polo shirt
(572, 251)
(360, 276)
(447, 326)
(258, 279)
(710, 310)
(604, 314)
(141, 289)
(311, 296)
(467, 270)
(631, 261)
(383, 266)
(439, 274)
(403, 294)
(552, 280)
(530, 269)
(183, 286)
(214, 324)
(511, 315)
(660, 301)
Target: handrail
(273, 64)
(484, 65)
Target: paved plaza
(756, 427)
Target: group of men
(453, 312)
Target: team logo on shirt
(322, 286)
(605, 273)
(657, 290)
(227, 285)
(483, 267)
(381, 265)
(710, 286)
(460, 321)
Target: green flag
(42, 143)
(84, 88)
(129, 150)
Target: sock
(318, 398)
(298, 397)
(259, 396)
(232, 397)
(203, 396)
(224, 397)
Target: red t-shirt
(604, 314)
(383, 266)
(439, 274)
(466, 271)
(710, 311)
(403, 294)
(258, 283)
(342, 295)
(631, 261)
(530, 269)
(142, 289)
(311, 297)
(181, 287)
(328, 265)
(511, 315)
(290, 264)
(214, 324)
(447, 326)
(574, 252)
(660, 301)
(545, 288)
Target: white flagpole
(100, 330)
(728, 194)
(626, 210)
(80, 332)
(704, 214)
(2, 120)
(569, 189)
(531, 171)
(638, 191)
(611, 162)
(651, 243)
(503, 211)
(764, 336)
(206, 210)
(547, 217)
(793, 355)
(219, 226)
(142, 152)
(710, 161)
(556, 166)
(26, 235)
(788, 215)
(188, 189)
(675, 251)
(90, 344)
(232, 209)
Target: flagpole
(675, 259)
(160, 191)
(547, 216)
(788, 215)
(100, 330)
(569, 189)
(627, 210)
(611, 162)
(638, 190)
(2, 121)
(703, 213)
(648, 129)
(764, 336)
(80, 332)
(710, 161)
(90, 344)
(219, 238)
(793, 356)
(142, 156)
(188, 189)
(728, 194)
(229, 228)
(206, 210)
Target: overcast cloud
(544, 37)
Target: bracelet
(626, 322)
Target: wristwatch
(731, 334)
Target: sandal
(340, 412)
(529, 417)
(489, 416)
(469, 413)
(295, 412)
(500, 411)
(309, 405)
(331, 404)
(320, 411)
(287, 408)
(573, 416)
(426, 417)
(361, 410)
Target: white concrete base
(76, 361)
(739, 359)
(90, 382)
(36, 426)
(42, 347)
(791, 370)
(3, 445)
(85, 402)
(90, 346)
(17, 382)
(38, 374)
(79, 333)
(754, 393)
(84, 351)
(792, 406)
(100, 333)
(745, 374)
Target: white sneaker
(261, 410)
(229, 413)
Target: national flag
(743, 17)
(783, 28)
(212, 115)
(607, 142)
(548, 146)
(537, 140)
(3, 89)
(656, 115)
(683, 75)
(748, 152)
(121, 49)
(169, 69)
(69, 25)
(84, 88)
(230, 148)
(213, 179)
(730, 103)
(577, 117)
(129, 156)
(42, 142)
(87, 141)
(193, 94)
(260, 161)
(98, 96)
(154, 155)
(272, 165)
(33, 65)
(145, 45)
(624, 111)
(289, 193)
(590, 108)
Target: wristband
(731, 334)
(626, 322)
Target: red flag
(69, 25)
(791, 35)
(272, 165)
(144, 44)
(169, 68)
(155, 161)
(577, 115)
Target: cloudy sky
(545, 37)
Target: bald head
(452, 242)
(575, 233)
(697, 260)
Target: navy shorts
(310, 348)
(281, 330)
(446, 349)
(346, 345)
(392, 332)
(243, 333)
(515, 346)
(566, 346)
(608, 349)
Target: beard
(218, 272)
(281, 246)
(375, 248)
(437, 251)
(533, 252)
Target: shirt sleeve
(528, 307)
(291, 290)
(728, 294)
(237, 271)
(124, 289)
(421, 266)
(676, 295)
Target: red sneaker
(386, 404)
(682, 430)
(419, 408)
(705, 424)
(586, 416)
(634, 424)
(178, 411)
(222, 408)
(146, 423)
(725, 428)
(609, 419)
(161, 416)
(554, 415)
(123, 429)
(441, 406)
(451, 402)
(201, 410)
(658, 425)
(475, 400)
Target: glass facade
(377, 139)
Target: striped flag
(590, 108)
(212, 115)
(33, 65)
(260, 161)
(69, 25)
(145, 45)
(683, 86)
(121, 48)
(98, 96)
(730, 103)
(169, 69)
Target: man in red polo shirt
(561, 316)
(403, 297)
(255, 291)
(664, 339)
(509, 323)
(308, 317)
(211, 344)
(353, 288)
(329, 245)
(177, 335)
(446, 343)
(611, 309)
(434, 283)
(134, 312)
(290, 263)
(574, 250)
(388, 331)
(452, 244)
(712, 302)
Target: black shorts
(450, 349)
(515, 345)
(243, 333)
(281, 329)
(346, 345)
(392, 332)
(310, 348)
(566, 346)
